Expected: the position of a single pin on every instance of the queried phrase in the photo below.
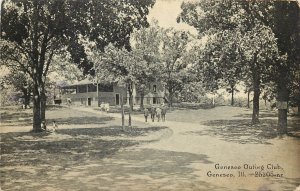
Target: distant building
(85, 93)
(154, 93)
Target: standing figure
(163, 113)
(146, 113)
(43, 125)
(158, 114)
(152, 112)
(54, 126)
(69, 101)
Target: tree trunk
(130, 103)
(248, 99)
(282, 100)
(129, 118)
(98, 101)
(36, 109)
(256, 89)
(35, 60)
(170, 100)
(43, 104)
(142, 100)
(170, 97)
(122, 113)
(232, 94)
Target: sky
(166, 12)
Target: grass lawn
(90, 151)
(46, 157)
(232, 123)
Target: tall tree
(37, 30)
(121, 67)
(261, 51)
(146, 49)
(254, 44)
(21, 82)
(286, 26)
(173, 71)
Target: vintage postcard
(149, 95)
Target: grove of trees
(33, 31)
(254, 42)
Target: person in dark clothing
(163, 113)
(146, 113)
(152, 112)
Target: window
(82, 89)
(154, 100)
(92, 88)
(154, 88)
(106, 88)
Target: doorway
(154, 100)
(89, 101)
(117, 99)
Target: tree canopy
(37, 30)
(247, 41)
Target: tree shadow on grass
(262, 114)
(8, 116)
(56, 160)
(294, 127)
(289, 183)
(20, 118)
(242, 131)
(74, 144)
(112, 131)
(142, 169)
(24, 119)
(154, 168)
(54, 107)
(81, 120)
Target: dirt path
(90, 152)
(193, 147)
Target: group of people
(158, 112)
(53, 129)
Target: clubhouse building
(85, 93)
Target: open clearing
(91, 152)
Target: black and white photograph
(149, 95)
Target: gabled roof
(82, 82)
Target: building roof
(82, 82)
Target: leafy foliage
(240, 46)
(174, 65)
(37, 30)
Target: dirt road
(90, 152)
(187, 158)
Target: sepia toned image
(149, 95)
